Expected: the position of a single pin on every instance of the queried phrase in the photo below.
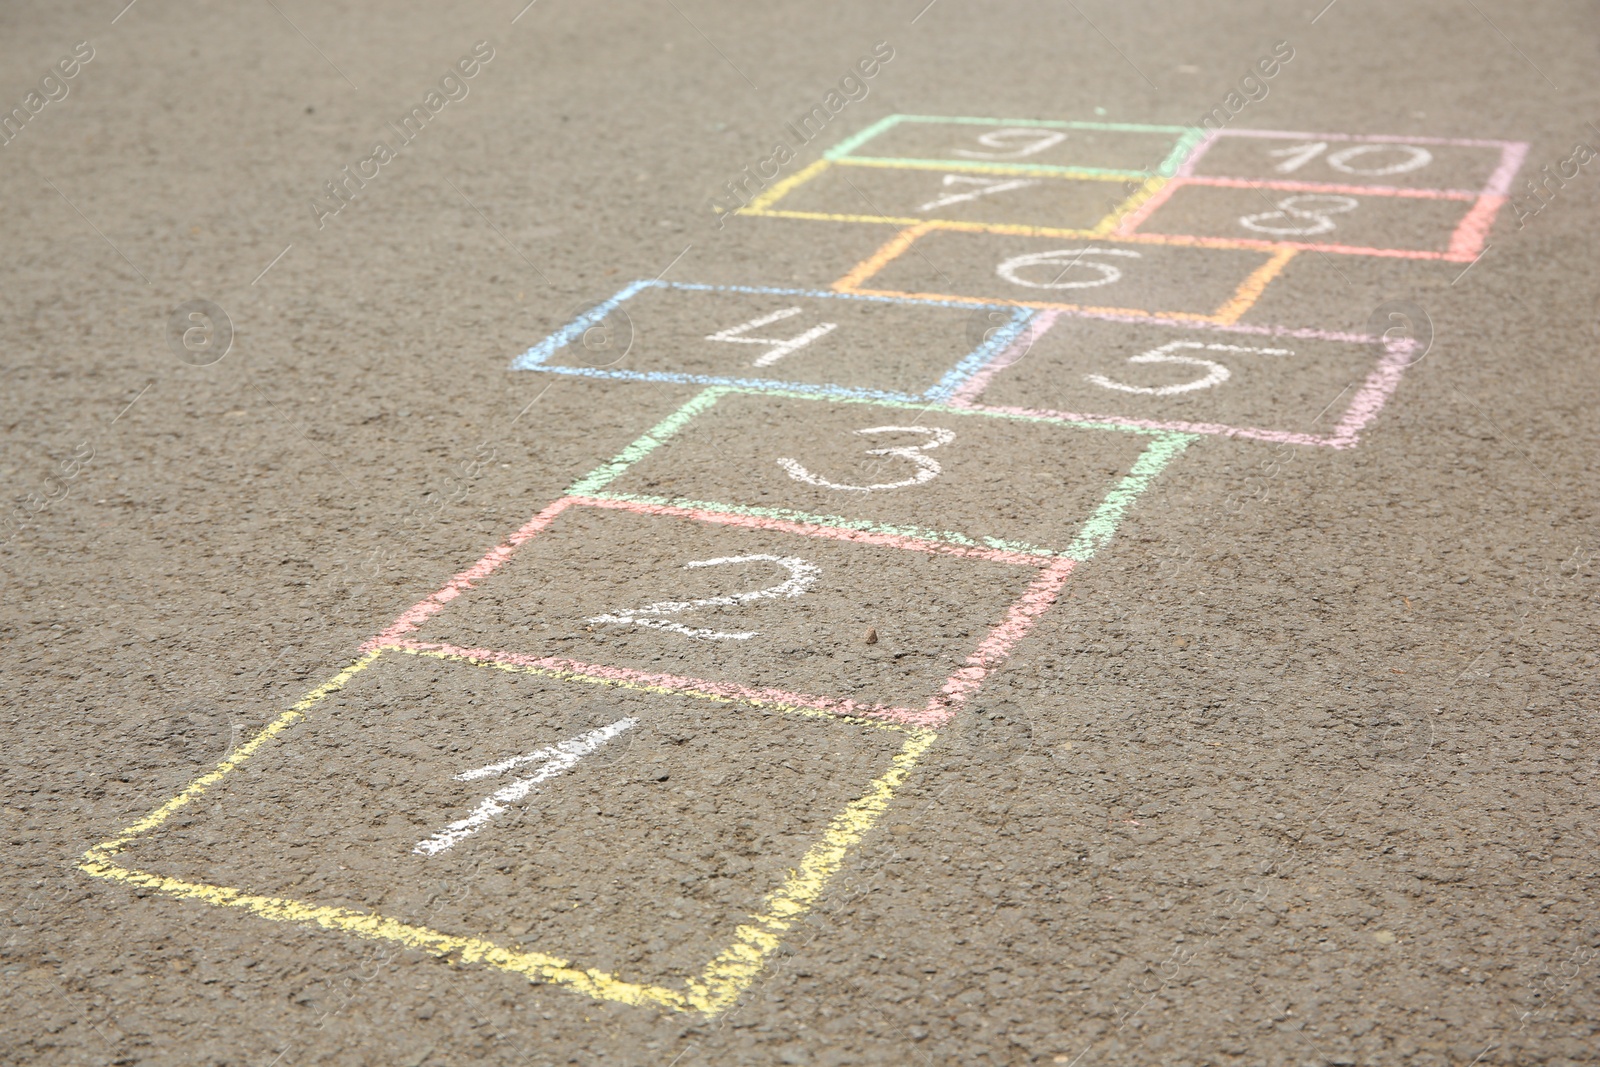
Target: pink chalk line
(1331, 187)
(1511, 158)
(931, 717)
(414, 617)
(1364, 406)
(1020, 620)
(1186, 168)
(810, 529)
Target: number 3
(927, 467)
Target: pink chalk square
(1415, 224)
(739, 606)
(1372, 162)
(1307, 387)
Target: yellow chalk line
(535, 965)
(880, 259)
(776, 192)
(1129, 206)
(829, 216)
(1017, 169)
(296, 712)
(736, 967)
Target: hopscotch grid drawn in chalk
(732, 971)
(716, 987)
(728, 974)
(590, 491)
(1463, 243)
(541, 356)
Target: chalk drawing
(927, 467)
(1217, 373)
(557, 760)
(1066, 259)
(984, 187)
(781, 347)
(801, 576)
(1012, 142)
(1296, 156)
(1318, 209)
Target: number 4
(735, 336)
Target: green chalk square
(1133, 151)
(1101, 513)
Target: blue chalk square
(796, 340)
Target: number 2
(927, 468)
(801, 575)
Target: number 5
(927, 467)
(1215, 375)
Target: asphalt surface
(573, 534)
